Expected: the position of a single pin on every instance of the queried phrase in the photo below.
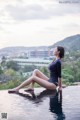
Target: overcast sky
(37, 22)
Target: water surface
(42, 105)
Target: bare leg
(39, 74)
(16, 89)
(38, 80)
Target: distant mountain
(22, 48)
(10, 51)
(70, 43)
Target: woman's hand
(60, 89)
(59, 84)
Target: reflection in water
(43, 105)
(55, 103)
(56, 106)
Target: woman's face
(55, 52)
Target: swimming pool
(43, 106)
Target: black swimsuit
(55, 71)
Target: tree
(1, 71)
(13, 65)
(10, 72)
(45, 71)
(3, 63)
(29, 68)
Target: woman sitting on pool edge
(49, 83)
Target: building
(40, 53)
(32, 61)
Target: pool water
(41, 105)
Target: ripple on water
(48, 106)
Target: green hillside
(70, 43)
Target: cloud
(37, 11)
(73, 25)
(69, 1)
(24, 22)
(27, 12)
(1, 28)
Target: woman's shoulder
(58, 60)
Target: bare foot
(14, 90)
(29, 89)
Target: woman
(38, 77)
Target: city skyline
(37, 23)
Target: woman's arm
(59, 75)
(59, 84)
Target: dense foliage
(11, 74)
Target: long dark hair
(62, 51)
